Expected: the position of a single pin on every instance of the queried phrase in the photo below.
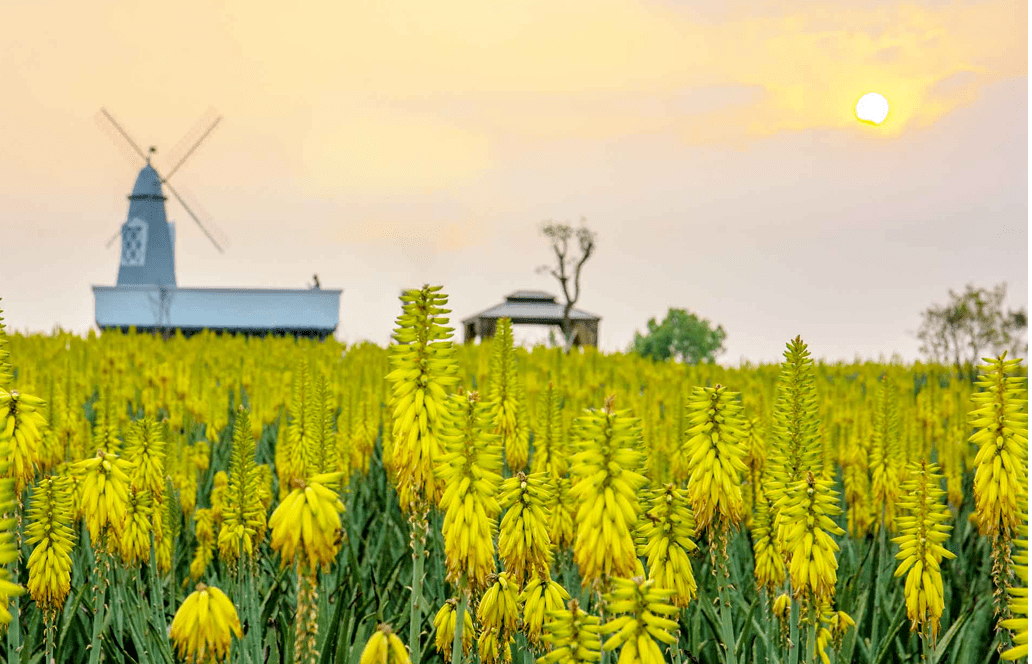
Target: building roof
(533, 307)
(218, 308)
(147, 184)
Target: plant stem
(793, 634)
(416, 617)
(727, 633)
(460, 621)
(811, 639)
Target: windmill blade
(122, 133)
(113, 238)
(196, 145)
(193, 216)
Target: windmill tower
(148, 238)
(146, 296)
(148, 253)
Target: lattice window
(134, 243)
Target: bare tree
(568, 266)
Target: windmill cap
(148, 184)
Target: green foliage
(681, 335)
(971, 324)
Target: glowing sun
(872, 108)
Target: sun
(872, 108)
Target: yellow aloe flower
(243, 514)
(606, 488)
(647, 617)
(769, 566)
(807, 507)
(886, 454)
(204, 530)
(539, 598)
(134, 540)
(923, 529)
(1001, 464)
(665, 540)
(384, 647)
(22, 425)
(549, 453)
(494, 646)
(104, 487)
(444, 630)
(145, 453)
(715, 453)
(499, 606)
(203, 626)
(310, 517)
(510, 416)
(563, 511)
(471, 472)
(523, 542)
(50, 520)
(422, 368)
(1018, 604)
(573, 636)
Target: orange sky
(387, 144)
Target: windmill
(146, 296)
(148, 239)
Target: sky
(712, 146)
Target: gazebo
(531, 307)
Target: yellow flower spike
(444, 630)
(923, 530)
(22, 425)
(134, 541)
(647, 617)
(243, 512)
(306, 525)
(539, 598)
(886, 454)
(549, 450)
(605, 486)
(1018, 604)
(523, 542)
(104, 487)
(715, 450)
(470, 471)
(573, 636)
(493, 646)
(50, 519)
(204, 530)
(665, 540)
(563, 509)
(422, 369)
(782, 606)
(203, 627)
(795, 431)
(499, 607)
(1001, 464)
(769, 566)
(808, 506)
(504, 389)
(145, 454)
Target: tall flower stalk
(422, 369)
(923, 531)
(716, 450)
(1000, 421)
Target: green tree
(681, 335)
(970, 325)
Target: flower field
(253, 500)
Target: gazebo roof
(533, 307)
